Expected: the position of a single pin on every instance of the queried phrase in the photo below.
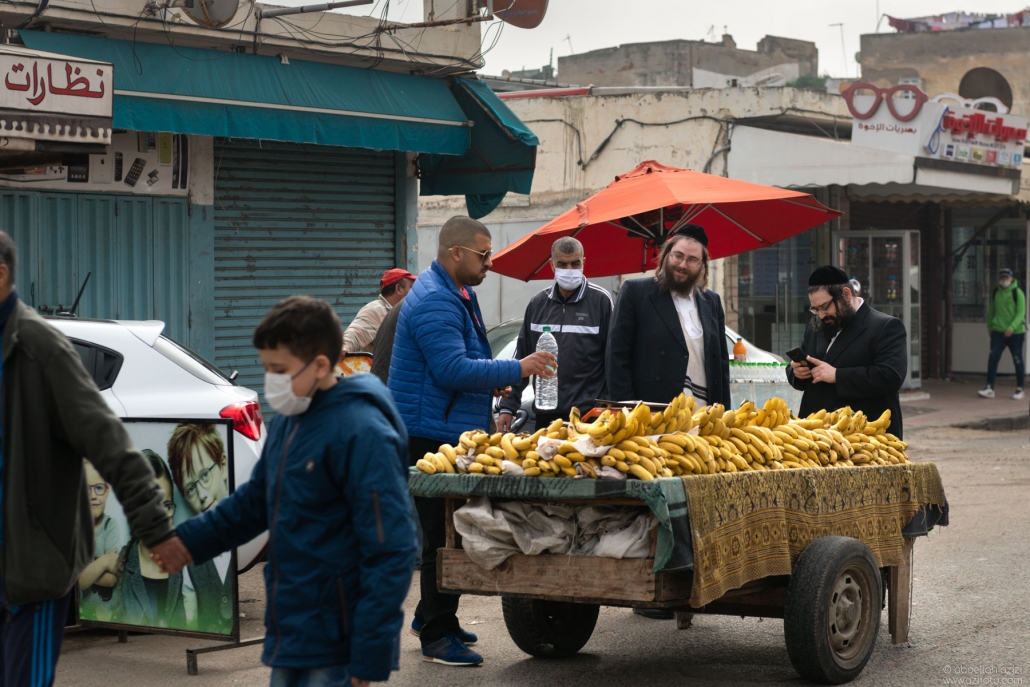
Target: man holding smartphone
(852, 355)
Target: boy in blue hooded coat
(330, 488)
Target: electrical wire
(370, 41)
(726, 126)
(579, 134)
(136, 63)
(35, 15)
(619, 123)
(168, 37)
(452, 61)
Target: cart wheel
(832, 614)
(549, 629)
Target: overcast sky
(593, 24)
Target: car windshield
(503, 334)
(191, 362)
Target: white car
(142, 374)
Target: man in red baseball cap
(360, 335)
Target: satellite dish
(525, 14)
(210, 13)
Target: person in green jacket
(1006, 322)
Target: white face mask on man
(568, 279)
(279, 393)
(1005, 283)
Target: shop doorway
(886, 263)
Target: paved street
(971, 611)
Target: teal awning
(501, 158)
(160, 87)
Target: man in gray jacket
(51, 417)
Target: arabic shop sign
(903, 119)
(976, 122)
(37, 84)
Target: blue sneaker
(466, 637)
(450, 651)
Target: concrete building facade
(776, 62)
(973, 242)
(973, 63)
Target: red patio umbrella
(623, 227)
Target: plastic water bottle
(547, 389)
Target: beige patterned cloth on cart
(749, 525)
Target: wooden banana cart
(830, 594)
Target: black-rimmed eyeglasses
(820, 309)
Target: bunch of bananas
(640, 457)
(750, 438)
(614, 426)
(773, 414)
(870, 442)
(648, 445)
(487, 452)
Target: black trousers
(437, 610)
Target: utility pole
(568, 39)
(844, 52)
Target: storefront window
(772, 296)
(980, 257)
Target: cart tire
(549, 629)
(832, 614)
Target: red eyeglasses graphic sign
(904, 119)
(885, 94)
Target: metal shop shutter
(135, 248)
(295, 219)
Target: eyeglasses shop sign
(945, 131)
(39, 84)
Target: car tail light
(246, 418)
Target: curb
(997, 424)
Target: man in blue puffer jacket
(443, 379)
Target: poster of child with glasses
(122, 585)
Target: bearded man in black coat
(668, 332)
(857, 356)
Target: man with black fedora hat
(857, 356)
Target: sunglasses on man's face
(484, 256)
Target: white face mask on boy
(279, 393)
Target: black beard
(666, 284)
(845, 313)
